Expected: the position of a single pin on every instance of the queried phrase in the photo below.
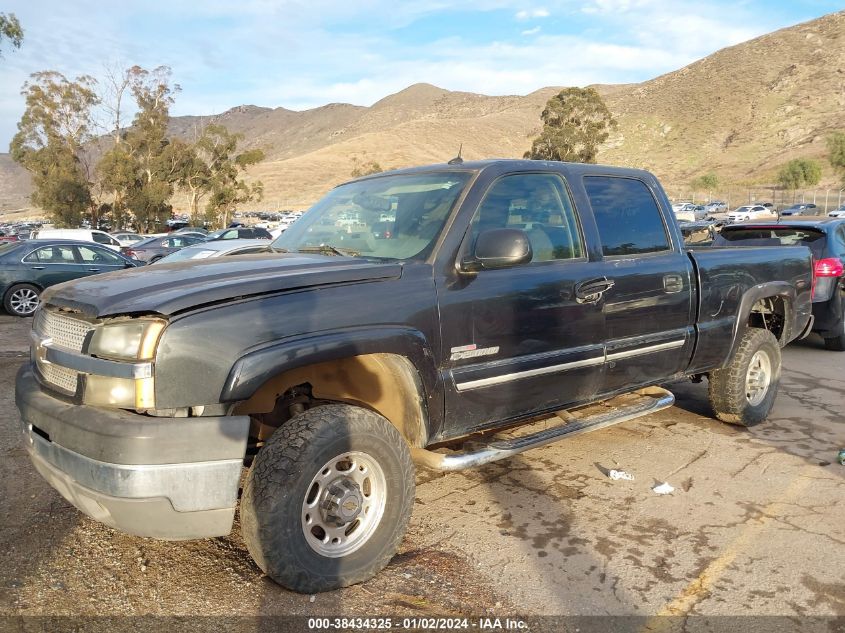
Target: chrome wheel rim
(343, 504)
(24, 301)
(758, 378)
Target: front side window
(538, 204)
(627, 215)
(388, 217)
(91, 255)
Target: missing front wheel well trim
(385, 383)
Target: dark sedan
(153, 249)
(825, 237)
(804, 208)
(27, 268)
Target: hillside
(741, 112)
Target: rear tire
(836, 343)
(328, 499)
(22, 300)
(744, 392)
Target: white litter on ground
(616, 475)
(663, 489)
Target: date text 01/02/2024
(416, 624)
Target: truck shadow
(806, 418)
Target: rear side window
(627, 215)
(840, 241)
(52, 255)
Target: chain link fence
(826, 199)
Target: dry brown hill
(741, 112)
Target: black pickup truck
(493, 294)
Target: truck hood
(168, 289)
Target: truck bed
(727, 280)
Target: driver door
(517, 340)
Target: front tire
(22, 300)
(744, 392)
(328, 498)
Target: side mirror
(498, 248)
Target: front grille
(64, 331)
(58, 376)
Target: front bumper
(169, 478)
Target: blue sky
(304, 53)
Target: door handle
(592, 290)
(94, 270)
(38, 268)
(673, 283)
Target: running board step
(622, 408)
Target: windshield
(389, 217)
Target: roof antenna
(457, 160)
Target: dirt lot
(755, 526)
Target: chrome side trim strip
(588, 362)
(646, 350)
(495, 380)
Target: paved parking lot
(755, 525)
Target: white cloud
(527, 14)
(615, 6)
(533, 31)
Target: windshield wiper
(328, 249)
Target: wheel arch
(11, 285)
(390, 371)
(782, 298)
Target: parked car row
(46, 257)
(690, 212)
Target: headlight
(127, 340)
